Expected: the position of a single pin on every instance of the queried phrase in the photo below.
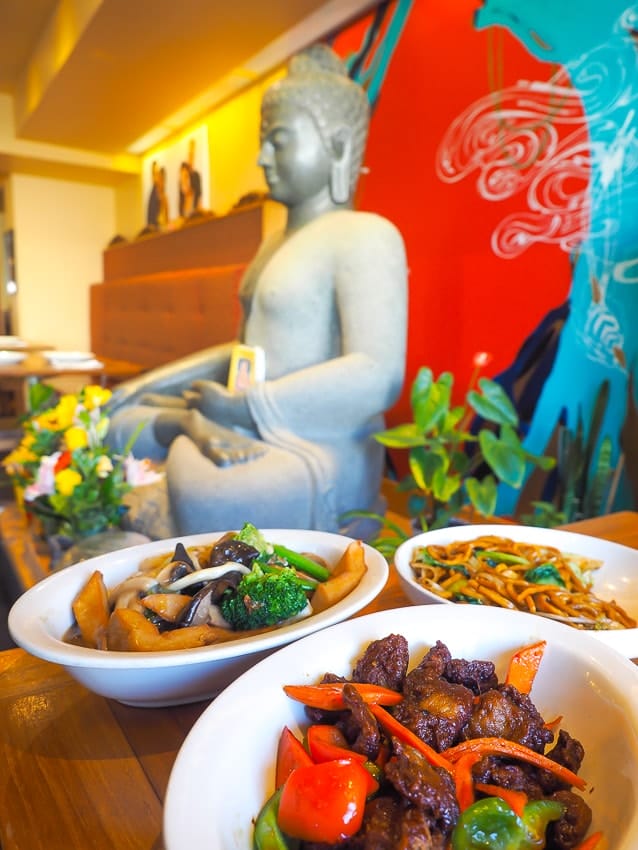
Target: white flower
(104, 466)
(140, 472)
(44, 484)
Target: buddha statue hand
(231, 448)
(159, 400)
(216, 403)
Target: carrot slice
(329, 695)
(393, 727)
(464, 780)
(516, 800)
(524, 665)
(503, 747)
(591, 842)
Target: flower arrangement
(63, 471)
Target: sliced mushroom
(208, 574)
(138, 583)
(202, 608)
(232, 550)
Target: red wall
(463, 297)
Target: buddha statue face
(313, 130)
(296, 164)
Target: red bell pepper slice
(291, 754)
(324, 802)
(328, 743)
(524, 665)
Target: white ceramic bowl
(594, 688)
(616, 580)
(41, 616)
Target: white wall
(61, 228)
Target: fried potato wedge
(168, 606)
(130, 631)
(91, 611)
(346, 575)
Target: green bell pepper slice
(490, 824)
(267, 835)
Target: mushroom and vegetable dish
(239, 586)
(444, 757)
(492, 570)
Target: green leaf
(421, 386)
(493, 403)
(402, 437)
(444, 485)
(507, 465)
(482, 494)
(431, 409)
(453, 418)
(423, 466)
(39, 397)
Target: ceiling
(114, 76)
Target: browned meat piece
(572, 827)
(360, 728)
(385, 662)
(379, 825)
(435, 710)
(436, 660)
(391, 825)
(493, 770)
(478, 676)
(568, 752)
(506, 713)
(415, 833)
(430, 788)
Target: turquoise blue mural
(582, 195)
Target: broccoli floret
(252, 535)
(263, 599)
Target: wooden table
(36, 366)
(78, 771)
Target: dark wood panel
(217, 241)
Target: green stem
(301, 562)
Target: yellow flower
(96, 396)
(104, 466)
(75, 438)
(21, 454)
(66, 481)
(58, 418)
(65, 411)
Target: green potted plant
(450, 464)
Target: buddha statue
(326, 299)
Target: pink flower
(482, 358)
(44, 484)
(140, 472)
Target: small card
(247, 366)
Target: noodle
(537, 579)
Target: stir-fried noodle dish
(492, 570)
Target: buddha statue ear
(341, 169)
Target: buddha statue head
(313, 130)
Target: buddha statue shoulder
(326, 300)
